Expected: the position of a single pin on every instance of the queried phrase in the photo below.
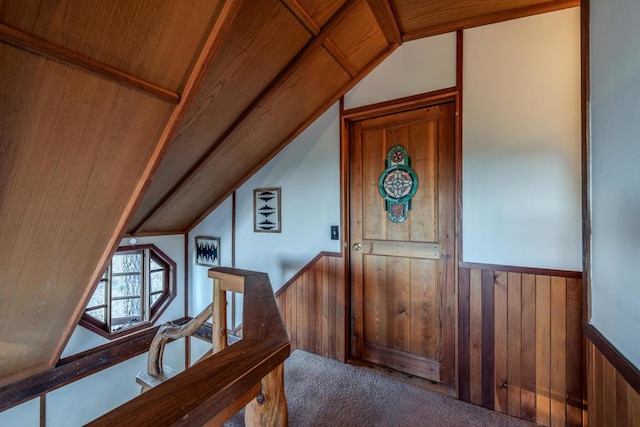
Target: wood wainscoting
(313, 307)
(520, 342)
(614, 384)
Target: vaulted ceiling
(141, 116)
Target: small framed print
(266, 210)
(208, 251)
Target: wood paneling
(77, 151)
(321, 10)
(520, 348)
(418, 18)
(266, 87)
(250, 58)
(255, 139)
(42, 47)
(362, 42)
(312, 306)
(308, 85)
(387, 21)
(73, 146)
(613, 402)
(136, 36)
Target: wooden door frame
(380, 109)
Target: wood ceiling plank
(252, 55)
(212, 44)
(312, 118)
(418, 18)
(358, 35)
(263, 131)
(340, 57)
(74, 146)
(386, 20)
(136, 36)
(302, 15)
(321, 10)
(150, 223)
(50, 50)
(139, 225)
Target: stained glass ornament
(398, 184)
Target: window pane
(98, 296)
(98, 313)
(127, 263)
(129, 307)
(157, 281)
(125, 286)
(155, 265)
(153, 298)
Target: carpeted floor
(323, 392)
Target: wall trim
(524, 270)
(585, 93)
(78, 366)
(493, 18)
(627, 369)
(307, 267)
(400, 104)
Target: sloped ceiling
(141, 116)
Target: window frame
(149, 253)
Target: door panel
(402, 273)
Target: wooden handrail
(171, 331)
(215, 389)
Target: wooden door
(402, 270)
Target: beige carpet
(323, 392)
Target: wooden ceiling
(141, 116)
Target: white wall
(24, 415)
(216, 224)
(83, 339)
(521, 142)
(84, 400)
(308, 173)
(89, 398)
(418, 66)
(615, 167)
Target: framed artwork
(208, 251)
(266, 210)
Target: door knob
(357, 246)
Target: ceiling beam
(386, 20)
(301, 14)
(491, 18)
(340, 57)
(42, 47)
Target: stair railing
(248, 373)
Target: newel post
(270, 407)
(219, 331)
